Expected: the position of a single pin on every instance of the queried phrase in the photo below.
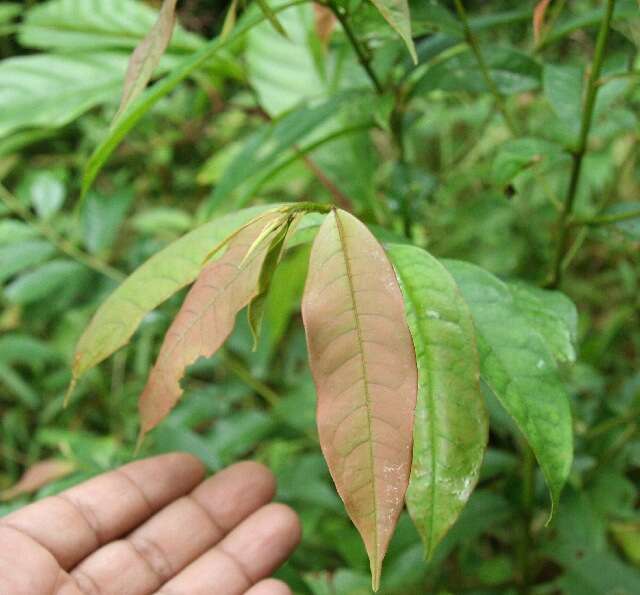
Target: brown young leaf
(538, 19)
(364, 368)
(38, 476)
(147, 55)
(205, 320)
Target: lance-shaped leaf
(156, 280)
(450, 429)
(518, 366)
(396, 13)
(364, 368)
(146, 56)
(205, 320)
(277, 241)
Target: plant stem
(524, 545)
(580, 150)
(607, 219)
(363, 55)
(484, 69)
(58, 241)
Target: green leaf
(22, 255)
(518, 155)
(91, 25)
(9, 11)
(49, 90)
(518, 366)
(288, 72)
(283, 70)
(147, 55)
(276, 146)
(363, 364)
(13, 231)
(451, 427)
(256, 307)
(102, 217)
(156, 280)
(156, 92)
(512, 71)
(553, 315)
(46, 191)
(396, 13)
(563, 86)
(631, 226)
(43, 281)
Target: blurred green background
(460, 183)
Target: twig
(484, 70)
(57, 240)
(363, 56)
(580, 150)
(339, 197)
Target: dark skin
(152, 526)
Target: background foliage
(471, 160)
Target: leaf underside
(147, 287)
(451, 426)
(205, 320)
(363, 365)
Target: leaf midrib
(367, 396)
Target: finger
(251, 552)
(74, 523)
(178, 534)
(270, 586)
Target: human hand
(152, 526)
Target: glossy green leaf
(518, 366)
(396, 13)
(451, 427)
(206, 318)
(159, 278)
(552, 314)
(146, 56)
(364, 368)
(90, 25)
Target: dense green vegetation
(508, 151)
